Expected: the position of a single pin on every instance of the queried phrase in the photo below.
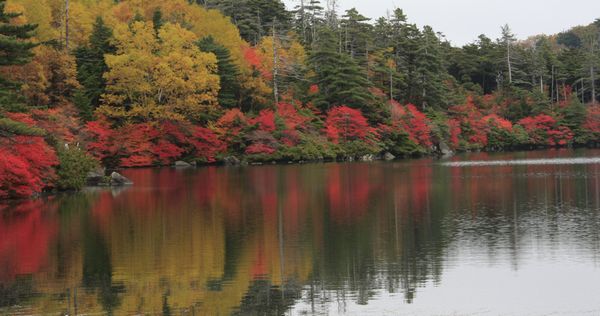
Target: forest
(136, 83)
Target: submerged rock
(367, 158)
(389, 156)
(182, 164)
(116, 179)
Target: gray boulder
(116, 179)
(231, 161)
(182, 164)
(445, 150)
(367, 158)
(389, 156)
(97, 178)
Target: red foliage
(136, 145)
(412, 121)
(26, 162)
(147, 144)
(251, 57)
(292, 119)
(472, 125)
(26, 166)
(26, 235)
(346, 124)
(419, 129)
(592, 121)
(313, 89)
(102, 139)
(493, 120)
(265, 121)
(259, 148)
(455, 131)
(544, 130)
(231, 124)
(206, 144)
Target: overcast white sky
(463, 20)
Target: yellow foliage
(290, 56)
(51, 76)
(36, 12)
(159, 77)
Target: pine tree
(91, 68)
(430, 71)
(228, 72)
(341, 81)
(14, 50)
(254, 18)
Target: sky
(462, 21)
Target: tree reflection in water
(259, 240)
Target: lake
(478, 234)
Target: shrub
(74, 165)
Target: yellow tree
(162, 76)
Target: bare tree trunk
(303, 21)
(275, 67)
(582, 92)
(67, 24)
(593, 78)
(391, 85)
(367, 57)
(552, 87)
(508, 62)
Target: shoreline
(243, 164)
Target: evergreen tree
(341, 81)
(14, 50)
(91, 68)
(157, 20)
(356, 33)
(309, 17)
(227, 70)
(254, 18)
(431, 73)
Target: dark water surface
(416, 237)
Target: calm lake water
(480, 234)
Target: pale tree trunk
(302, 20)
(67, 24)
(275, 67)
(508, 62)
(391, 85)
(593, 79)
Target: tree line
(141, 83)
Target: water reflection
(314, 239)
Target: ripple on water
(554, 161)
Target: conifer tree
(91, 68)
(341, 81)
(227, 71)
(14, 50)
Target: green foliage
(339, 78)
(254, 18)
(399, 144)
(9, 127)
(74, 165)
(91, 68)
(311, 147)
(227, 70)
(14, 50)
(573, 117)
